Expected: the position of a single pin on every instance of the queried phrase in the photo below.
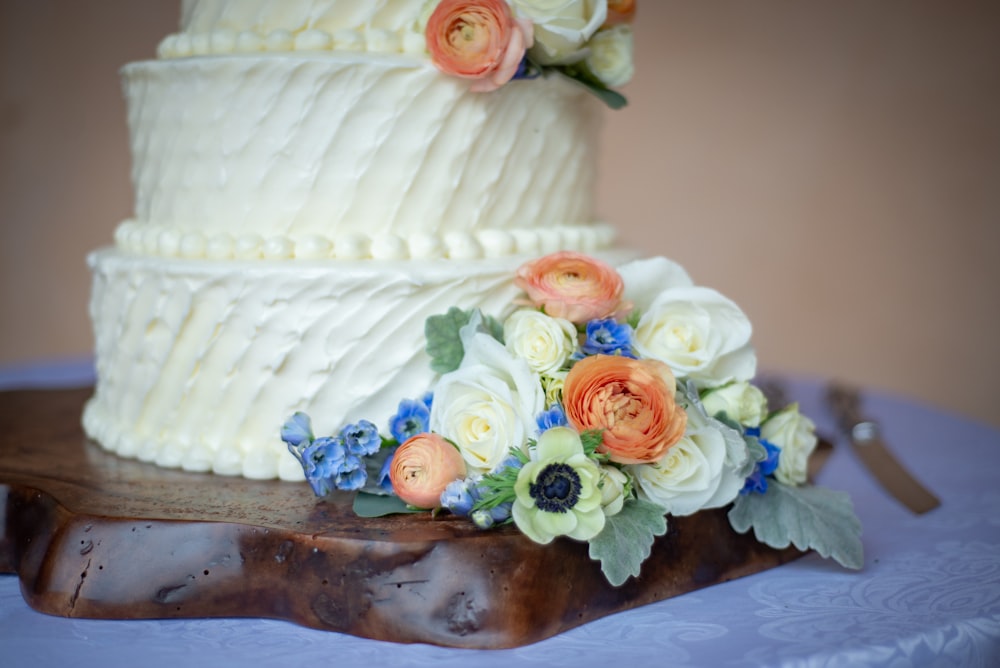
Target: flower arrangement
(491, 42)
(607, 401)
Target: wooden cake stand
(92, 535)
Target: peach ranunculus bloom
(573, 286)
(422, 467)
(620, 11)
(478, 39)
(631, 400)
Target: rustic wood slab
(93, 535)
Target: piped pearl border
(225, 41)
(168, 241)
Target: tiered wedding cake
(309, 188)
(364, 254)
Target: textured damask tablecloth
(929, 594)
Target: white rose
(700, 334)
(544, 342)
(697, 472)
(488, 405)
(614, 485)
(740, 401)
(795, 434)
(645, 279)
(610, 58)
(562, 27)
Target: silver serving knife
(866, 441)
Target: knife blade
(865, 437)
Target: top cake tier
(284, 152)
(251, 25)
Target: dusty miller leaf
(374, 505)
(444, 345)
(444, 336)
(627, 539)
(807, 517)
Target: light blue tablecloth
(929, 594)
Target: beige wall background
(833, 167)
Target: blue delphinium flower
(554, 417)
(362, 438)
(757, 481)
(297, 429)
(770, 465)
(608, 337)
(525, 70)
(321, 462)
(459, 497)
(384, 481)
(352, 474)
(411, 418)
(482, 518)
(428, 400)
(501, 513)
(487, 518)
(511, 461)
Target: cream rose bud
(795, 434)
(552, 385)
(740, 401)
(614, 486)
(542, 341)
(610, 58)
(561, 27)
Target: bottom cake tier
(93, 535)
(200, 362)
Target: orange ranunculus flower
(631, 400)
(620, 11)
(422, 467)
(572, 286)
(478, 39)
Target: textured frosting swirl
(357, 149)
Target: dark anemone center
(556, 489)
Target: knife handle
(866, 441)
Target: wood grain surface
(93, 535)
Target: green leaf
(373, 505)
(579, 72)
(444, 344)
(444, 336)
(497, 488)
(738, 453)
(627, 539)
(592, 439)
(758, 452)
(493, 327)
(807, 517)
(613, 99)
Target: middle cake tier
(353, 156)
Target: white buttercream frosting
(299, 146)
(387, 26)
